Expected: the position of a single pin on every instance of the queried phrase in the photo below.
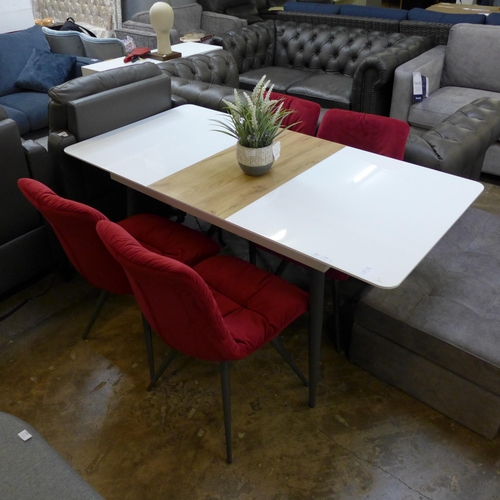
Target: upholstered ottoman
(437, 336)
(31, 469)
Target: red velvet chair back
(74, 225)
(306, 113)
(174, 299)
(376, 134)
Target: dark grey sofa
(436, 336)
(26, 247)
(335, 66)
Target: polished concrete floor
(364, 440)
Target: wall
(15, 15)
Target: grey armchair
(459, 73)
(79, 44)
(187, 18)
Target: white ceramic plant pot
(255, 161)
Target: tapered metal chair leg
(281, 268)
(278, 345)
(337, 338)
(226, 405)
(148, 338)
(252, 253)
(97, 309)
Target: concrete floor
(364, 440)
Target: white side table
(186, 49)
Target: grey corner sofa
(336, 67)
(187, 18)
(459, 73)
(436, 336)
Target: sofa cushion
(430, 16)
(312, 8)
(33, 105)
(493, 18)
(324, 89)
(15, 50)
(18, 116)
(377, 12)
(465, 64)
(443, 103)
(281, 78)
(45, 70)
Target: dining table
(322, 204)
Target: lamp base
(165, 57)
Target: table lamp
(162, 20)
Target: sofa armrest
(213, 22)
(373, 80)
(39, 163)
(429, 64)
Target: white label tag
(24, 435)
(276, 150)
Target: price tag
(24, 435)
(276, 150)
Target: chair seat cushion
(165, 237)
(256, 306)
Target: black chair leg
(97, 309)
(226, 405)
(148, 337)
(281, 268)
(252, 253)
(337, 338)
(278, 345)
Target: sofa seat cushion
(443, 103)
(19, 117)
(448, 310)
(281, 78)
(204, 94)
(33, 105)
(327, 90)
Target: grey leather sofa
(95, 104)
(459, 73)
(336, 67)
(26, 249)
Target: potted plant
(255, 121)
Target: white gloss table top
(367, 215)
(185, 48)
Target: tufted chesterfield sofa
(336, 67)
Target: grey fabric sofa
(436, 336)
(459, 73)
(186, 18)
(33, 469)
(336, 67)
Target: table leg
(316, 300)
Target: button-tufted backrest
(252, 46)
(327, 49)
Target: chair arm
(143, 34)
(373, 80)
(429, 64)
(213, 22)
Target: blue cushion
(312, 8)
(33, 105)
(44, 70)
(378, 12)
(440, 17)
(15, 50)
(493, 18)
(18, 116)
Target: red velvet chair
(74, 225)
(222, 309)
(306, 113)
(376, 134)
(373, 133)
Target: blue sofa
(27, 68)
